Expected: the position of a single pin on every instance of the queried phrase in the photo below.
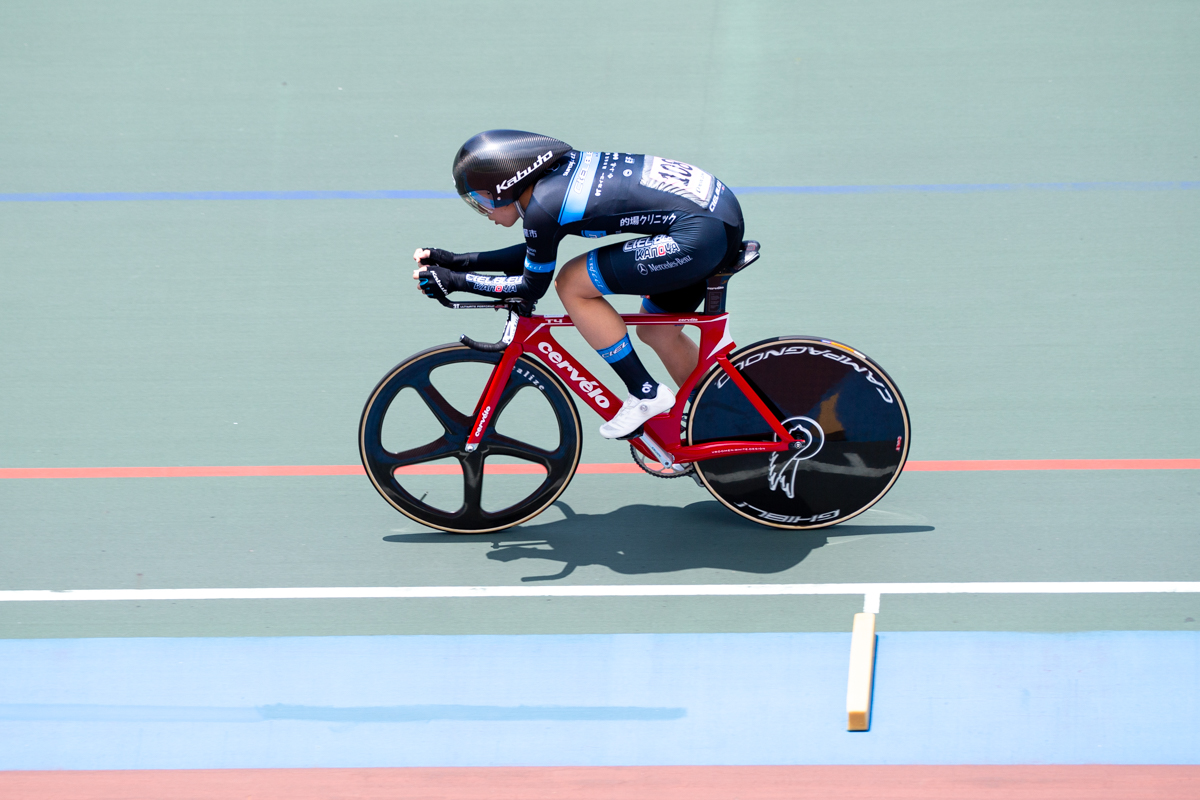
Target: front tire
(433, 429)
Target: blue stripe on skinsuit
(651, 308)
(580, 189)
(1116, 697)
(534, 266)
(593, 269)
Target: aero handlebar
(516, 308)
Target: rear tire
(841, 403)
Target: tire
(841, 403)
(443, 438)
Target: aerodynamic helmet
(502, 164)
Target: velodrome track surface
(205, 216)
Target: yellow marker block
(862, 670)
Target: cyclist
(691, 221)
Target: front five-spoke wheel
(414, 429)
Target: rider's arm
(508, 260)
(528, 269)
(530, 283)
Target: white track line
(869, 590)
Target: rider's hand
(435, 281)
(432, 256)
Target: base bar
(891, 782)
(862, 673)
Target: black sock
(629, 367)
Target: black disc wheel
(414, 430)
(845, 411)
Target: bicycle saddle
(714, 301)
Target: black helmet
(502, 164)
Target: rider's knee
(657, 335)
(573, 281)
(648, 334)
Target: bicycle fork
(484, 410)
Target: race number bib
(678, 178)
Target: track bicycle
(795, 432)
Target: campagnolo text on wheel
(794, 432)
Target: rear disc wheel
(843, 408)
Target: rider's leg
(603, 328)
(678, 351)
(598, 321)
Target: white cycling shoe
(635, 411)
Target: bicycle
(795, 432)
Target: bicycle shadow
(644, 539)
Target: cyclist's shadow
(644, 539)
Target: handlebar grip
(483, 347)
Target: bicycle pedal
(633, 434)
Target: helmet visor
(484, 204)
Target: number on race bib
(678, 178)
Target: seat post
(715, 295)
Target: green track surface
(1019, 324)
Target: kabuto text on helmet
(494, 167)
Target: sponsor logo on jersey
(497, 284)
(522, 173)
(638, 220)
(675, 262)
(716, 196)
(651, 247)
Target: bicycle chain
(688, 469)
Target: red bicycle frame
(533, 335)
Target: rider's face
(505, 215)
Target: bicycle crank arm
(663, 457)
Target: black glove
(437, 282)
(444, 258)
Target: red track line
(284, 471)
(894, 782)
(584, 469)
